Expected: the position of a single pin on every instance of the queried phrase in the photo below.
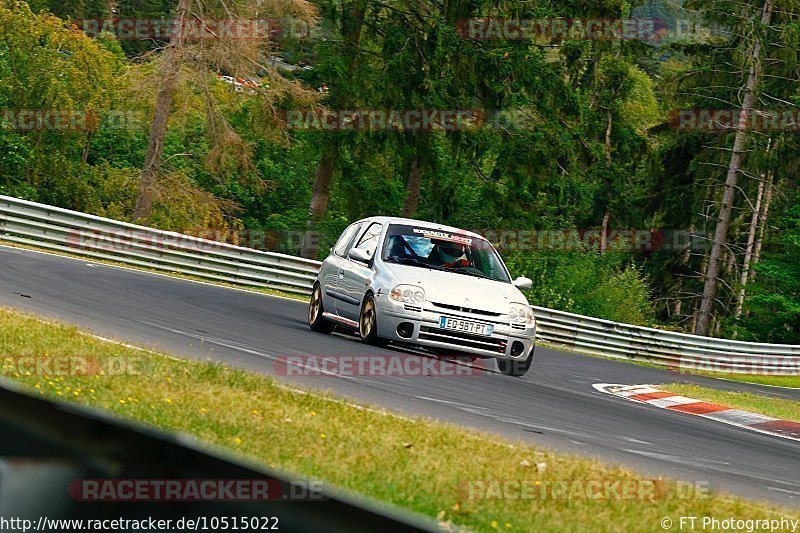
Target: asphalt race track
(555, 405)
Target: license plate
(467, 326)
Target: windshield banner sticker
(433, 234)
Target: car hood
(452, 289)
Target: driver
(451, 255)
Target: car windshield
(443, 250)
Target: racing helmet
(450, 251)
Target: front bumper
(426, 331)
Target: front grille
(518, 326)
(462, 339)
(466, 309)
(416, 308)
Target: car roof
(420, 223)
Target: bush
(599, 285)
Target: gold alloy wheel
(314, 306)
(367, 323)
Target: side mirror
(523, 283)
(357, 254)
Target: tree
(344, 57)
(46, 68)
(732, 176)
(206, 53)
(168, 74)
(774, 302)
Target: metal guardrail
(678, 351)
(57, 229)
(62, 230)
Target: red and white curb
(734, 417)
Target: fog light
(517, 348)
(405, 329)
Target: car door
(355, 276)
(331, 272)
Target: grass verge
(414, 463)
(792, 382)
(775, 407)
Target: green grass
(775, 407)
(414, 463)
(775, 381)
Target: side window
(369, 241)
(345, 239)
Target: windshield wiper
(476, 274)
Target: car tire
(315, 309)
(368, 323)
(515, 369)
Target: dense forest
(647, 177)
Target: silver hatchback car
(414, 282)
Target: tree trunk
(609, 126)
(762, 228)
(728, 194)
(748, 252)
(607, 151)
(730, 262)
(87, 148)
(319, 200)
(158, 129)
(604, 232)
(693, 320)
(762, 225)
(413, 188)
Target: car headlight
(521, 314)
(408, 293)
